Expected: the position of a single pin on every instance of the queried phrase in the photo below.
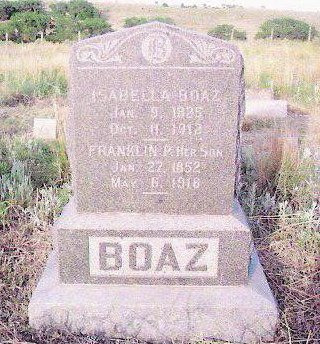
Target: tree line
(29, 20)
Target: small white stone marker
(45, 128)
(264, 108)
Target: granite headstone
(158, 123)
(154, 245)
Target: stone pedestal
(159, 313)
(225, 300)
(172, 249)
(154, 246)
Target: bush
(224, 32)
(65, 28)
(43, 162)
(39, 85)
(15, 188)
(166, 20)
(30, 19)
(29, 25)
(286, 28)
(90, 27)
(59, 8)
(134, 21)
(40, 159)
(76, 9)
(29, 6)
(9, 29)
(77, 15)
(82, 9)
(6, 9)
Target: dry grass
(202, 19)
(32, 58)
(282, 201)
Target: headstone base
(80, 238)
(244, 313)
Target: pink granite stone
(154, 121)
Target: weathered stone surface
(154, 121)
(45, 128)
(125, 248)
(245, 313)
(259, 93)
(154, 245)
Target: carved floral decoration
(208, 53)
(99, 52)
(203, 52)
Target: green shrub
(90, 27)
(45, 163)
(40, 159)
(29, 6)
(76, 9)
(9, 29)
(43, 84)
(65, 28)
(165, 4)
(29, 20)
(134, 21)
(5, 164)
(286, 28)
(29, 25)
(166, 20)
(7, 8)
(74, 16)
(59, 8)
(226, 32)
(15, 188)
(82, 9)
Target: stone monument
(45, 128)
(154, 245)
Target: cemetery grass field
(280, 195)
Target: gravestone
(154, 245)
(266, 109)
(45, 128)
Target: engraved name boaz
(153, 256)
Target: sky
(295, 5)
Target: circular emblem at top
(156, 48)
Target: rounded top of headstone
(157, 44)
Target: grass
(39, 70)
(284, 213)
(279, 192)
(202, 19)
(24, 88)
(295, 76)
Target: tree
(6, 10)
(227, 32)
(134, 21)
(90, 27)
(82, 9)
(286, 28)
(29, 25)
